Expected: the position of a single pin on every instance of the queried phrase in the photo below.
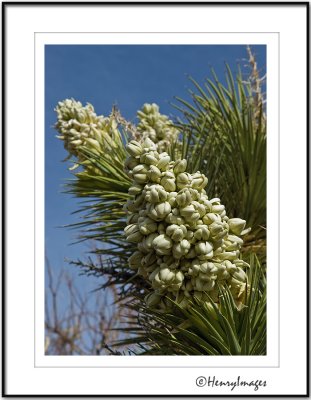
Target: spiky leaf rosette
(206, 327)
(224, 128)
(186, 245)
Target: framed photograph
(155, 199)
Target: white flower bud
(203, 248)
(147, 243)
(228, 255)
(164, 160)
(132, 218)
(135, 189)
(130, 163)
(134, 237)
(183, 180)
(158, 211)
(202, 233)
(162, 244)
(236, 225)
(147, 225)
(217, 230)
(129, 229)
(134, 148)
(180, 166)
(203, 286)
(156, 194)
(210, 218)
(174, 219)
(218, 208)
(240, 275)
(154, 174)
(149, 158)
(181, 249)
(176, 232)
(168, 181)
(199, 181)
(148, 145)
(185, 197)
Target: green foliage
(225, 138)
(223, 328)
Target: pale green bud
(183, 180)
(200, 208)
(176, 232)
(202, 233)
(129, 206)
(233, 242)
(236, 225)
(147, 243)
(180, 166)
(139, 201)
(168, 279)
(156, 194)
(203, 248)
(222, 271)
(154, 174)
(174, 219)
(203, 286)
(187, 211)
(230, 267)
(150, 158)
(208, 268)
(135, 189)
(131, 163)
(162, 244)
(190, 214)
(141, 178)
(228, 255)
(148, 145)
(209, 218)
(237, 288)
(185, 197)
(140, 169)
(93, 144)
(211, 310)
(181, 249)
(132, 218)
(159, 211)
(134, 237)
(164, 160)
(147, 225)
(240, 275)
(134, 148)
(140, 173)
(218, 208)
(172, 198)
(217, 230)
(241, 263)
(168, 181)
(199, 181)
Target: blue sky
(126, 75)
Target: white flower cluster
(185, 242)
(156, 126)
(80, 126)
